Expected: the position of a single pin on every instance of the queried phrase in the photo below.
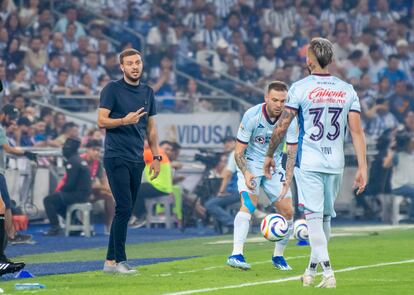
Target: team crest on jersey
(259, 139)
(260, 126)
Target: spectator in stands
(194, 19)
(102, 81)
(14, 56)
(280, 19)
(4, 40)
(43, 18)
(25, 136)
(406, 61)
(384, 87)
(353, 65)
(233, 24)
(85, 86)
(52, 67)
(71, 16)
(208, 34)
(29, 13)
(19, 102)
(59, 120)
(7, 7)
(61, 86)
(392, 71)
(46, 116)
(268, 62)
(35, 56)
(93, 68)
(287, 51)
(77, 187)
(69, 130)
(343, 46)
(40, 86)
(45, 31)
(161, 39)
(409, 123)
(111, 66)
(56, 45)
(75, 72)
(376, 62)
(383, 13)
(400, 102)
(383, 119)
(70, 43)
(83, 48)
(39, 134)
(13, 26)
(19, 83)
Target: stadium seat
(85, 210)
(166, 218)
(396, 215)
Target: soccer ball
(300, 230)
(274, 227)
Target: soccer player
(326, 106)
(252, 141)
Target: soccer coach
(126, 111)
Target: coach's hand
(268, 163)
(249, 180)
(154, 169)
(360, 182)
(133, 117)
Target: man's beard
(130, 78)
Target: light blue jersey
(255, 130)
(323, 103)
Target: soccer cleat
(21, 239)
(124, 268)
(10, 267)
(237, 261)
(307, 280)
(327, 282)
(57, 231)
(280, 263)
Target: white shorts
(317, 191)
(271, 187)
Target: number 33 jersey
(323, 103)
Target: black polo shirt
(121, 98)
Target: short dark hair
(277, 85)
(323, 50)
(68, 125)
(165, 142)
(128, 52)
(93, 143)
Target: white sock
(327, 226)
(312, 266)
(318, 241)
(241, 229)
(281, 245)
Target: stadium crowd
(43, 54)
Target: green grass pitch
(365, 248)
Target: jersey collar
(267, 116)
(322, 74)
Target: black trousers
(57, 203)
(124, 179)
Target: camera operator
(402, 181)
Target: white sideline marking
(294, 278)
(223, 266)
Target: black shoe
(10, 267)
(53, 232)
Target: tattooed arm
(280, 130)
(241, 163)
(290, 162)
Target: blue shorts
(272, 187)
(318, 191)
